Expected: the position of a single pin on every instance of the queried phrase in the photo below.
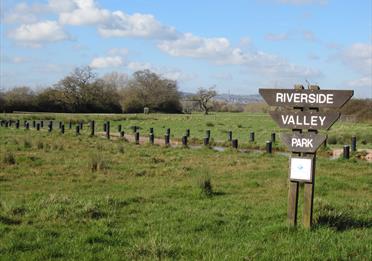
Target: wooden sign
(305, 116)
(305, 120)
(306, 97)
(303, 142)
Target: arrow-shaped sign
(305, 120)
(303, 142)
(306, 98)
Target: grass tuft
(9, 158)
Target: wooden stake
(292, 203)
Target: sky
(237, 46)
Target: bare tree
(204, 97)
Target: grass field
(241, 124)
(88, 198)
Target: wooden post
(208, 134)
(307, 218)
(273, 137)
(38, 126)
(292, 203)
(166, 139)
(77, 130)
(108, 129)
(229, 135)
(234, 143)
(70, 124)
(122, 134)
(151, 138)
(346, 152)
(269, 147)
(27, 125)
(188, 132)
(63, 129)
(184, 141)
(17, 124)
(119, 128)
(353, 144)
(92, 128)
(151, 130)
(42, 124)
(137, 137)
(206, 141)
(251, 136)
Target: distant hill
(231, 98)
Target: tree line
(83, 92)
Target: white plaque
(301, 169)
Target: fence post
(119, 128)
(346, 151)
(77, 130)
(269, 146)
(206, 141)
(208, 134)
(273, 137)
(251, 136)
(234, 143)
(151, 138)
(108, 129)
(353, 144)
(63, 129)
(184, 141)
(229, 135)
(166, 139)
(137, 137)
(38, 126)
(188, 132)
(92, 127)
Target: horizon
(238, 47)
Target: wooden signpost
(305, 115)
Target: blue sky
(238, 46)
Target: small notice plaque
(301, 169)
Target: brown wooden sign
(306, 97)
(305, 120)
(303, 142)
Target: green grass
(219, 123)
(147, 202)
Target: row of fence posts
(106, 128)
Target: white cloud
(189, 45)
(60, 6)
(37, 33)
(86, 13)
(364, 82)
(136, 25)
(107, 61)
(168, 73)
(358, 57)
